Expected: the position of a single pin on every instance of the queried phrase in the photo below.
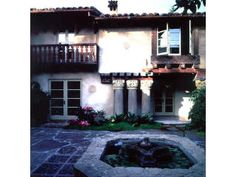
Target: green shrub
(198, 111)
(39, 105)
(132, 118)
(117, 118)
(89, 115)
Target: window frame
(168, 41)
(65, 89)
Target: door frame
(163, 93)
(65, 115)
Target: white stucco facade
(121, 50)
(93, 93)
(124, 50)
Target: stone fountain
(146, 155)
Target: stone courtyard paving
(55, 150)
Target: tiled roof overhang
(148, 16)
(92, 10)
(144, 20)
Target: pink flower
(84, 123)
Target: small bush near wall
(89, 119)
(133, 119)
(87, 116)
(198, 111)
(39, 105)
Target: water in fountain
(144, 153)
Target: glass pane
(57, 93)
(169, 101)
(162, 42)
(169, 93)
(168, 109)
(174, 40)
(73, 102)
(73, 85)
(73, 93)
(57, 102)
(174, 50)
(158, 108)
(61, 38)
(56, 85)
(56, 111)
(72, 111)
(162, 49)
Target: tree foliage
(198, 112)
(191, 5)
(39, 105)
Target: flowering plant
(93, 117)
(82, 123)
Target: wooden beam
(174, 70)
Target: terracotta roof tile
(101, 15)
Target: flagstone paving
(55, 150)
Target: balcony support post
(132, 95)
(146, 95)
(118, 86)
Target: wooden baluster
(41, 54)
(49, 54)
(65, 54)
(61, 53)
(80, 54)
(84, 53)
(94, 54)
(46, 54)
(32, 54)
(89, 57)
(70, 53)
(55, 54)
(74, 53)
(36, 54)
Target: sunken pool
(144, 153)
(135, 155)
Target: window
(65, 98)
(169, 41)
(66, 38)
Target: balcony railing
(64, 54)
(181, 61)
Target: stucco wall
(44, 38)
(49, 37)
(202, 47)
(183, 104)
(199, 45)
(93, 93)
(85, 36)
(124, 50)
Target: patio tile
(58, 159)
(46, 145)
(47, 168)
(67, 169)
(74, 159)
(67, 150)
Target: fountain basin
(91, 164)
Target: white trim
(168, 41)
(179, 43)
(190, 36)
(163, 53)
(163, 112)
(65, 115)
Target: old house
(118, 63)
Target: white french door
(65, 98)
(164, 102)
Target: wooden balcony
(176, 61)
(58, 56)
